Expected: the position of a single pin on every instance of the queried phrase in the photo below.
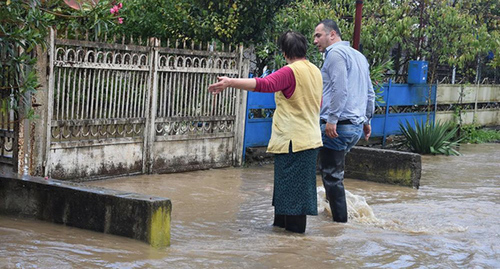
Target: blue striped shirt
(347, 88)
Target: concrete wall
(141, 217)
(384, 166)
(455, 94)
(192, 154)
(483, 117)
(81, 160)
(451, 93)
(85, 160)
(364, 163)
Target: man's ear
(332, 34)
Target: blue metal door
(258, 120)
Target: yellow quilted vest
(296, 120)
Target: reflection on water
(222, 219)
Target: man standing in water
(346, 111)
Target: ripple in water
(360, 212)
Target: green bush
(430, 138)
(473, 134)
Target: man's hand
(367, 129)
(331, 130)
(223, 83)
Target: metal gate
(121, 109)
(259, 118)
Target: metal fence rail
(99, 90)
(184, 106)
(9, 120)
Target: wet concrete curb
(365, 163)
(384, 166)
(137, 216)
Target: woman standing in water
(296, 135)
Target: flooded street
(222, 218)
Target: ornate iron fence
(104, 93)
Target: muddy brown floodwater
(222, 218)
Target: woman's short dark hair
(330, 25)
(293, 44)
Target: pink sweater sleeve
(282, 80)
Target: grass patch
(474, 134)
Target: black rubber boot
(279, 220)
(331, 165)
(295, 223)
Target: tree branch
(60, 14)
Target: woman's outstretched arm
(247, 84)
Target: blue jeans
(349, 135)
(332, 165)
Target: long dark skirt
(295, 183)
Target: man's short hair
(293, 44)
(330, 25)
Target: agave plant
(430, 138)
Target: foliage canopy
(460, 34)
